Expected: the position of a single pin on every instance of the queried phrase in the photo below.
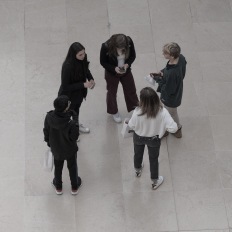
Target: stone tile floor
(197, 192)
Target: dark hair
(118, 41)
(149, 102)
(73, 50)
(61, 103)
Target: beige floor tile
(150, 211)
(221, 128)
(86, 12)
(201, 210)
(216, 66)
(100, 213)
(169, 11)
(47, 210)
(223, 230)
(228, 202)
(224, 160)
(45, 14)
(49, 227)
(211, 11)
(218, 103)
(213, 36)
(192, 104)
(197, 136)
(100, 175)
(37, 181)
(11, 131)
(118, 10)
(194, 171)
(11, 214)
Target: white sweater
(149, 127)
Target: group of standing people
(153, 117)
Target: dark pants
(76, 108)
(129, 90)
(153, 145)
(73, 171)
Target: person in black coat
(61, 134)
(116, 56)
(76, 78)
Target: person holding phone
(170, 80)
(76, 78)
(116, 56)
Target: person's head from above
(76, 52)
(118, 42)
(149, 102)
(62, 103)
(171, 50)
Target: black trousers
(73, 171)
(153, 145)
(76, 108)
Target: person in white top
(150, 120)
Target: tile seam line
(173, 192)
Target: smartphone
(155, 76)
(122, 69)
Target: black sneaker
(74, 191)
(58, 191)
(138, 171)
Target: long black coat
(61, 133)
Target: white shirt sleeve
(132, 121)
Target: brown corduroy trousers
(129, 90)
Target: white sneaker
(117, 118)
(138, 172)
(83, 129)
(157, 183)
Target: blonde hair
(173, 49)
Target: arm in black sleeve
(66, 79)
(89, 75)
(74, 131)
(105, 61)
(132, 52)
(46, 130)
(184, 68)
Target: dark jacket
(61, 133)
(73, 77)
(111, 62)
(171, 84)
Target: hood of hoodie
(58, 120)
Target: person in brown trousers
(116, 56)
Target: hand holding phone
(122, 70)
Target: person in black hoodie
(61, 134)
(76, 78)
(171, 82)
